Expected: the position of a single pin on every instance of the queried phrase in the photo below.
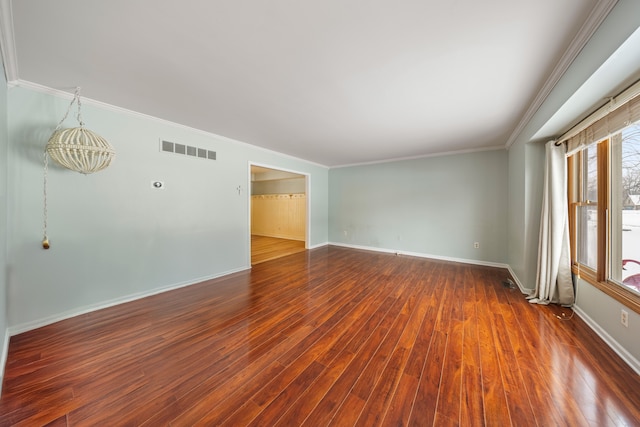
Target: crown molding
(7, 41)
(110, 107)
(590, 26)
(423, 156)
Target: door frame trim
(307, 189)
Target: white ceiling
(331, 81)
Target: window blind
(620, 112)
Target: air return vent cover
(188, 150)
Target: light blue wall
(4, 143)
(435, 206)
(603, 314)
(113, 236)
(526, 156)
(516, 223)
(526, 166)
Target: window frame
(598, 278)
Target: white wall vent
(188, 150)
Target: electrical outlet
(624, 318)
(476, 245)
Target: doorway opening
(278, 213)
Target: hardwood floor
(330, 336)
(268, 248)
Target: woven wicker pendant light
(80, 150)
(77, 149)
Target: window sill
(615, 291)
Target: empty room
(287, 213)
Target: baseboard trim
(29, 326)
(611, 342)
(319, 245)
(3, 357)
(421, 255)
(25, 327)
(526, 291)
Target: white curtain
(553, 279)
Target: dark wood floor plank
(217, 415)
(516, 328)
(400, 406)
(335, 396)
(384, 392)
(472, 404)
(372, 381)
(370, 372)
(336, 358)
(377, 403)
(241, 417)
(289, 394)
(496, 410)
(302, 407)
(185, 375)
(450, 396)
(331, 336)
(519, 404)
(30, 414)
(59, 422)
(330, 313)
(270, 395)
(203, 407)
(205, 395)
(377, 363)
(537, 325)
(425, 403)
(219, 407)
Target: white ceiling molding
(371, 90)
(423, 156)
(7, 41)
(597, 15)
(88, 101)
(103, 105)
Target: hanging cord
(45, 239)
(563, 315)
(76, 98)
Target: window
(625, 208)
(604, 197)
(604, 202)
(587, 209)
